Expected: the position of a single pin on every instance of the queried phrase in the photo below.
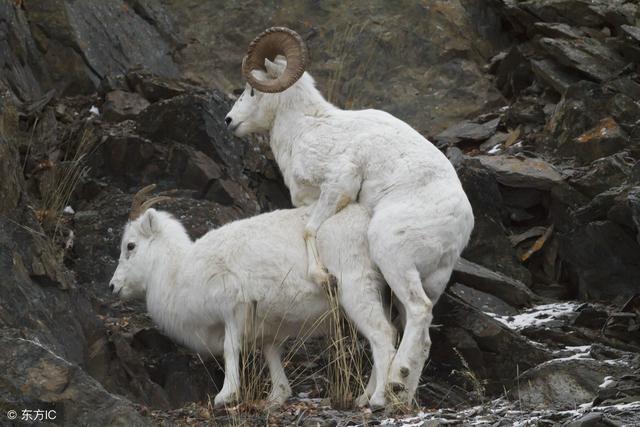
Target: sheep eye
(131, 246)
(251, 91)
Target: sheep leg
(407, 365)
(231, 386)
(363, 399)
(336, 192)
(364, 306)
(280, 389)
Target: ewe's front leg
(340, 189)
(231, 387)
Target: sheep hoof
(274, 402)
(221, 400)
(362, 400)
(377, 403)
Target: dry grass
(347, 356)
(478, 386)
(64, 177)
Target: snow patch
(495, 149)
(537, 316)
(607, 381)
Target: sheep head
(275, 61)
(136, 255)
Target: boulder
(582, 13)
(603, 174)
(522, 172)
(34, 376)
(83, 42)
(590, 122)
(489, 245)
(588, 56)
(475, 276)
(470, 340)
(483, 301)
(468, 131)
(563, 383)
(120, 105)
(605, 258)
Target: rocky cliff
(535, 102)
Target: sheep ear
(149, 223)
(275, 68)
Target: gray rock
(87, 41)
(493, 353)
(557, 30)
(588, 56)
(583, 13)
(31, 373)
(603, 174)
(120, 105)
(513, 74)
(591, 122)
(512, 291)
(563, 383)
(593, 419)
(522, 172)
(489, 245)
(486, 302)
(600, 253)
(468, 131)
(553, 75)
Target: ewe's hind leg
(280, 389)
(363, 399)
(363, 305)
(231, 386)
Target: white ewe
(203, 293)
(421, 218)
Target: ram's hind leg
(403, 278)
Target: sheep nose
(228, 120)
(111, 287)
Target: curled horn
(272, 42)
(140, 204)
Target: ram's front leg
(335, 193)
(231, 386)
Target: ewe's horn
(272, 42)
(139, 205)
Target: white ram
(202, 293)
(421, 218)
